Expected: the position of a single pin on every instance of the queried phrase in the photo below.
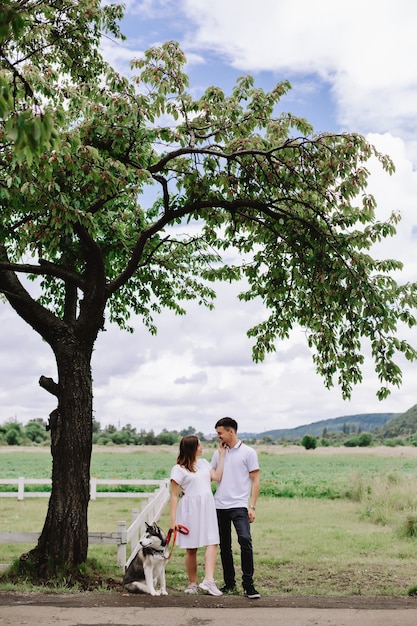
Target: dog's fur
(147, 567)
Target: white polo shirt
(233, 491)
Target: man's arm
(256, 485)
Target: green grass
(328, 523)
(146, 462)
(319, 547)
(321, 473)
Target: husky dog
(148, 565)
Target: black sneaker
(227, 589)
(251, 593)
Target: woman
(195, 510)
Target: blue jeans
(240, 519)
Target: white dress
(196, 510)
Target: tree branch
(49, 385)
(95, 292)
(37, 316)
(18, 76)
(45, 268)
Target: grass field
(286, 471)
(329, 521)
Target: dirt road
(96, 609)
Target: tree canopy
(148, 196)
(45, 46)
(292, 204)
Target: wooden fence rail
(21, 493)
(151, 512)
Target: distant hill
(401, 425)
(364, 422)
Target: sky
(352, 68)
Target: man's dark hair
(227, 422)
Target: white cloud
(365, 50)
(25, 357)
(396, 193)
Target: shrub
(410, 526)
(13, 437)
(364, 440)
(353, 442)
(309, 442)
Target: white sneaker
(211, 587)
(192, 588)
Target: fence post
(21, 488)
(157, 493)
(135, 536)
(93, 488)
(143, 527)
(121, 548)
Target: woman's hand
(216, 474)
(221, 448)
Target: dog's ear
(148, 526)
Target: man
(238, 488)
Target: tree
(258, 186)
(364, 440)
(35, 430)
(309, 442)
(188, 431)
(13, 433)
(167, 438)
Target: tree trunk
(63, 544)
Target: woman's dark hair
(188, 452)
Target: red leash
(173, 532)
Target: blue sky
(352, 67)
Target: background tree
(364, 440)
(309, 442)
(167, 437)
(291, 207)
(13, 433)
(35, 430)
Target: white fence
(150, 512)
(94, 482)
